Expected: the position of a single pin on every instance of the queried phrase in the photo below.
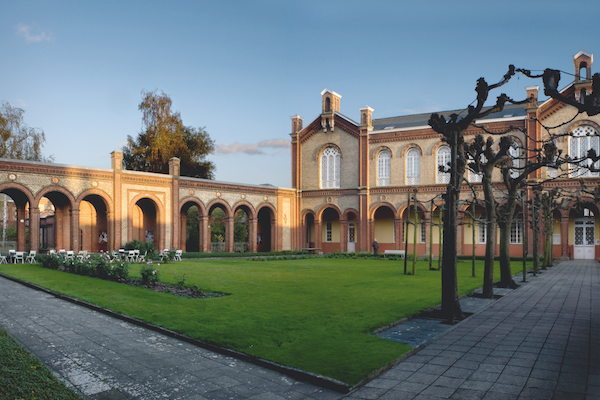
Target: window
(516, 232)
(482, 232)
(584, 138)
(328, 234)
(474, 176)
(443, 159)
(383, 168)
(552, 171)
(412, 167)
(513, 151)
(330, 168)
(423, 234)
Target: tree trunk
(490, 231)
(505, 272)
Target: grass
(313, 314)
(24, 377)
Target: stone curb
(295, 373)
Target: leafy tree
(164, 136)
(19, 141)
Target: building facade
(356, 180)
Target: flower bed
(94, 265)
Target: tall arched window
(443, 159)
(513, 151)
(412, 167)
(584, 138)
(383, 168)
(330, 168)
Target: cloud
(33, 37)
(252, 148)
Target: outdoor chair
(137, 255)
(3, 259)
(19, 257)
(70, 255)
(130, 256)
(11, 256)
(31, 257)
(142, 257)
(52, 252)
(178, 254)
(164, 254)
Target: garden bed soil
(190, 293)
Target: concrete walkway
(540, 342)
(106, 358)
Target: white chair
(142, 257)
(11, 255)
(70, 255)
(130, 256)
(178, 254)
(164, 254)
(137, 255)
(19, 257)
(82, 255)
(3, 259)
(31, 257)
(53, 252)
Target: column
(75, 234)
(34, 228)
(564, 235)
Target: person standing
(375, 247)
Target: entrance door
(583, 248)
(351, 237)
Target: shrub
(150, 276)
(180, 280)
(95, 265)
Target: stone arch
(325, 146)
(379, 149)
(350, 230)
(410, 146)
(266, 228)
(148, 225)
(383, 225)
(309, 221)
(63, 230)
(244, 227)
(22, 198)
(95, 224)
(328, 218)
(436, 147)
(220, 227)
(188, 239)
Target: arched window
(513, 151)
(584, 138)
(474, 176)
(330, 168)
(443, 159)
(327, 104)
(383, 168)
(412, 167)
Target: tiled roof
(510, 110)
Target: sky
(241, 69)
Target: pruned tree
(164, 136)
(19, 141)
(452, 131)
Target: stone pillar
(343, 235)
(115, 240)
(229, 234)
(75, 234)
(204, 233)
(34, 228)
(398, 223)
(21, 239)
(318, 234)
(252, 231)
(182, 231)
(564, 234)
(174, 171)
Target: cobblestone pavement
(542, 341)
(106, 358)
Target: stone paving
(540, 342)
(106, 358)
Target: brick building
(354, 178)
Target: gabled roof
(407, 121)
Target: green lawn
(312, 314)
(24, 377)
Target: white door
(351, 237)
(583, 248)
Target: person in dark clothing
(375, 247)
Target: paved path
(106, 358)
(540, 342)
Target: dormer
(583, 75)
(331, 104)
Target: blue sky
(242, 68)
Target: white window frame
(330, 168)
(383, 167)
(514, 152)
(584, 138)
(516, 232)
(413, 172)
(328, 232)
(482, 232)
(443, 158)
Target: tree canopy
(164, 136)
(19, 141)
